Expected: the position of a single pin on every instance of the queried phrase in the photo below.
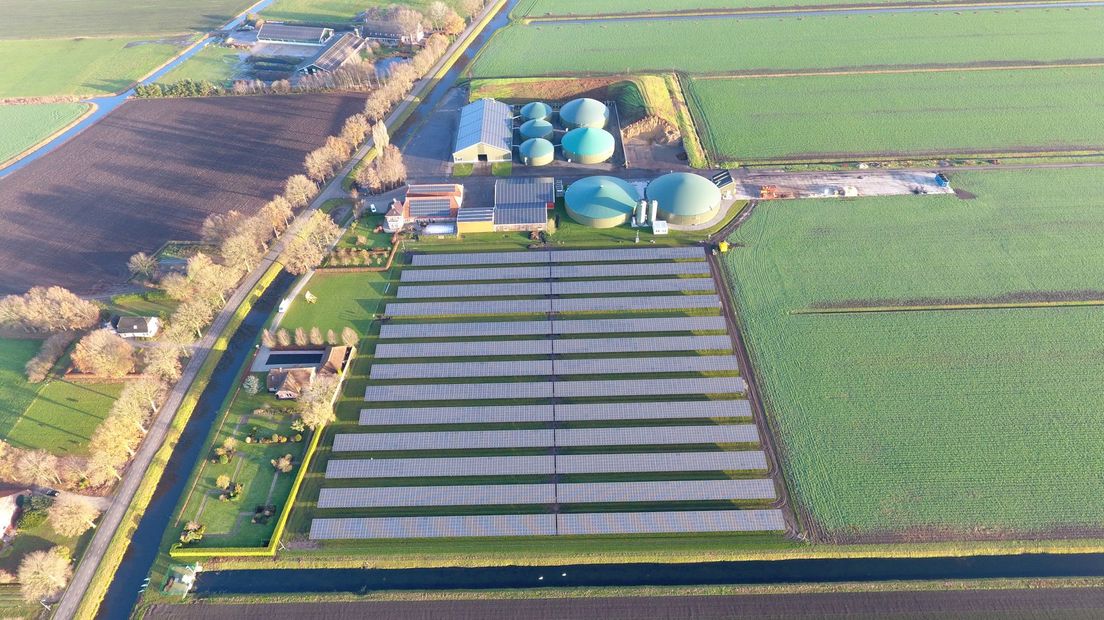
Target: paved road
(128, 487)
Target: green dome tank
(685, 199)
(584, 112)
(536, 110)
(536, 128)
(537, 152)
(600, 201)
(588, 145)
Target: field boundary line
(91, 108)
(917, 69)
(952, 307)
(806, 10)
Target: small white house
(137, 326)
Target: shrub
(252, 384)
(35, 510)
(38, 367)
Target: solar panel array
(558, 455)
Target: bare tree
(300, 337)
(368, 179)
(163, 361)
(268, 339)
(453, 24)
(299, 191)
(349, 337)
(142, 265)
(72, 515)
(308, 249)
(376, 106)
(380, 136)
(283, 337)
(104, 353)
(283, 464)
(436, 13)
(408, 20)
(318, 164)
(331, 337)
(354, 129)
(470, 7)
(37, 467)
(44, 574)
(315, 336)
(241, 251)
(218, 226)
(50, 309)
(193, 315)
(316, 402)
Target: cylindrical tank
(536, 152)
(588, 145)
(685, 199)
(601, 202)
(641, 212)
(536, 110)
(584, 112)
(536, 128)
(655, 209)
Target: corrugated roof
(381, 27)
(523, 201)
(485, 122)
(435, 189)
(285, 32)
(429, 207)
(337, 51)
(476, 214)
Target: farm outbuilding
(584, 112)
(523, 203)
(337, 52)
(685, 199)
(601, 201)
(293, 35)
(536, 128)
(485, 133)
(536, 110)
(391, 32)
(588, 145)
(537, 152)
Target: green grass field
(23, 126)
(34, 19)
(330, 10)
(788, 43)
(540, 8)
(344, 300)
(45, 67)
(15, 393)
(213, 63)
(963, 423)
(830, 117)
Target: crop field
(44, 67)
(23, 126)
(936, 424)
(790, 43)
(557, 8)
(330, 10)
(148, 173)
(31, 19)
(860, 116)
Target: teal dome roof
(684, 197)
(536, 128)
(535, 110)
(586, 141)
(535, 148)
(601, 201)
(584, 112)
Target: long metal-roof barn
(485, 132)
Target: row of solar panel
(554, 327)
(549, 389)
(563, 413)
(547, 368)
(561, 256)
(609, 270)
(550, 347)
(543, 306)
(570, 524)
(546, 438)
(582, 287)
(558, 493)
(546, 464)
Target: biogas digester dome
(584, 112)
(601, 201)
(537, 152)
(536, 128)
(536, 110)
(588, 145)
(685, 199)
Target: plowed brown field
(148, 173)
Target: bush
(35, 510)
(52, 348)
(252, 385)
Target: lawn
(330, 10)
(43, 67)
(63, 416)
(819, 118)
(15, 393)
(788, 43)
(23, 126)
(344, 300)
(213, 63)
(33, 19)
(933, 424)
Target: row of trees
(48, 309)
(282, 338)
(401, 78)
(385, 173)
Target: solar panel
(656, 462)
(649, 387)
(633, 304)
(657, 435)
(479, 258)
(458, 391)
(457, 308)
(635, 365)
(649, 326)
(770, 520)
(561, 256)
(433, 527)
(618, 270)
(463, 330)
(466, 349)
(500, 289)
(625, 345)
(454, 466)
(596, 287)
(463, 369)
(459, 275)
(456, 415)
(654, 410)
(442, 440)
(663, 491)
(457, 495)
